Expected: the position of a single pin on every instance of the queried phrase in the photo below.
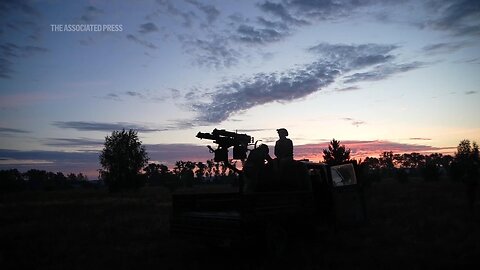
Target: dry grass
(415, 225)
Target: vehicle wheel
(276, 238)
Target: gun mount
(226, 139)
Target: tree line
(124, 162)
(33, 179)
(463, 166)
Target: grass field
(414, 225)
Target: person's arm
(276, 149)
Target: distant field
(415, 225)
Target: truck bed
(230, 217)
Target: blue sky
(400, 75)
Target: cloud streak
(73, 142)
(148, 28)
(4, 130)
(442, 48)
(142, 42)
(461, 18)
(210, 11)
(214, 52)
(90, 14)
(10, 52)
(382, 72)
(334, 61)
(354, 122)
(97, 126)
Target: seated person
(254, 166)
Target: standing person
(284, 146)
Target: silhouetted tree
(152, 173)
(210, 168)
(370, 169)
(158, 174)
(201, 167)
(431, 170)
(184, 170)
(465, 168)
(386, 160)
(336, 153)
(122, 158)
(466, 161)
(11, 180)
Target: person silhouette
(283, 146)
(255, 165)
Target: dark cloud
(354, 122)
(271, 24)
(23, 6)
(265, 88)
(420, 139)
(146, 95)
(5, 68)
(134, 94)
(348, 89)
(148, 28)
(90, 14)
(141, 42)
(355, 55)
(169, 153)
(254, 35)
(96, 126)
(168, 8)
(280, 11)
(31, 50)
(472, 61)
(211, 12)
(458, 17)
(10, 52)
(215, 52)
(382, 72)
(334, 61)
(325, 9)
(48, 155)
(4, 130)
(66, 142)
(441, 48)
(113, 96)
(56, 161)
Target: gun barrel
(243, 138)
(207, 136)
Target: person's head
(282, 132)
(263, 148)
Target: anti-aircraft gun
(226, 139)
(270, 218)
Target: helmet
(282, 131)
